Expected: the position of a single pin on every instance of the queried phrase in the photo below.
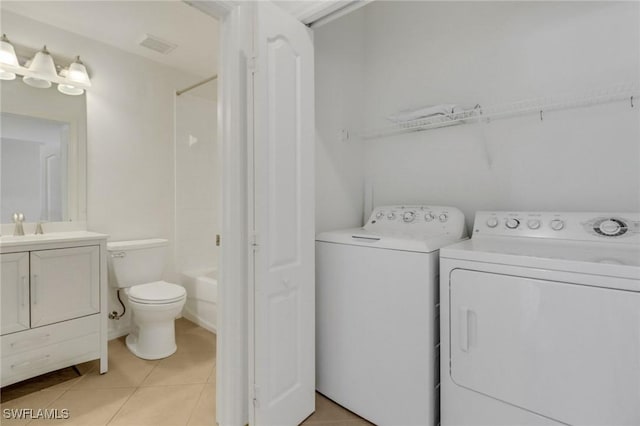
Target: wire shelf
(627, 92)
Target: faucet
(18, 218)
(39, 230)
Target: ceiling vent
(157, 44)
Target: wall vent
(157, 44)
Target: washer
(376, 325)
(541, 321)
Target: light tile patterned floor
(175, 391)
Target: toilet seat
(156, 293)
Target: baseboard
(114, 334)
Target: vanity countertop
(10, 241)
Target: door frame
(232, 400)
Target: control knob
(408, 217)
(512, 223)
(533, 223)
(391, 216)
(380, 215)
(492, 222)
(443, 217)
(557, 224)
(429, 217)
(611, 227)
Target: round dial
(379, 215)
(533, 223)
(391, 216)
(443, 217)
(408, 216)
(610, 227)
(557, 224)
(512, 223)
(492, 222)
(429, 217)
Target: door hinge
(256, 395)
(252, 64)
(217, 240)
(254, 241)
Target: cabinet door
(15, 292)
(65, 284)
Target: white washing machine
(540, 316)
(376, 325)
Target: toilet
(136, 266)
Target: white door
(567, 351)
(15, 292)
(283, 319)
(65, 284)
(51, 191)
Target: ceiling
(123, 24)
(310, 11)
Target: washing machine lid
(423, 243)
(158, 292)
(417, 228)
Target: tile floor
(175, 391)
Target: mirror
(42, 154)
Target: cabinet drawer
(52, 357)
(43, 336)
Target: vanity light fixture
(7, 57)
(41, 70)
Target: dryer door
(563, 350)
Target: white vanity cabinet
(53, 303)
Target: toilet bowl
(155, 307)
(135, 267)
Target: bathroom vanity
(54, 304)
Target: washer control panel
(416, 219)
(579, 226)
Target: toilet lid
(156, 293)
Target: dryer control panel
(417, 219)
(576, 226)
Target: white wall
(130, 133)
(425, 53)
(339, 59)
(197, 183)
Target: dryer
(376, 313)
(541, 321)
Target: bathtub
(202, 297)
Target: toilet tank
(136, 262)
